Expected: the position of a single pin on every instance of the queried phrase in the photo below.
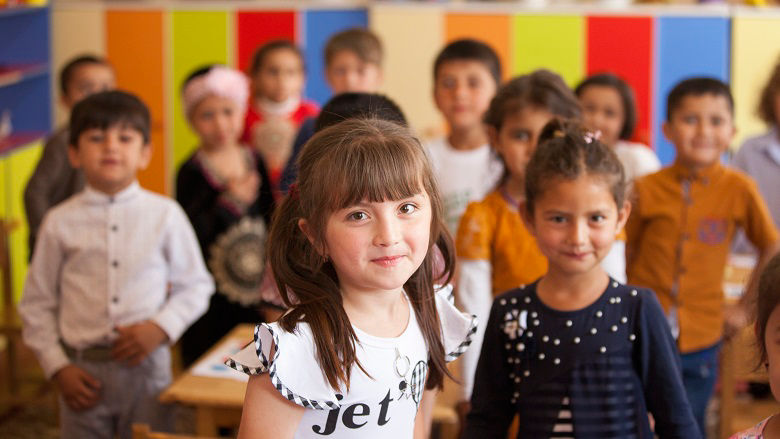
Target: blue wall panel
(319, 26)
(687, 46)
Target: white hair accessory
(220, 81)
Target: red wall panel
(258, 27)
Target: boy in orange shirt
(682, 224)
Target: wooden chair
(142, 431)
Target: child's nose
(578, 233)
(388, 232)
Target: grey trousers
(128, 395)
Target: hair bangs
(376, 174)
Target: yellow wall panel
(75, 31)
(555, 42)
(19, 167)
(412, 37)
(755, 50)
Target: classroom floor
(37, 418)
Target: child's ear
(146, 156)
(307, 232)
(526, 216)
(493, 137)
(623, 214)
(667, 130)
(73, 156)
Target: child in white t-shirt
(466, 75)
(365, 334)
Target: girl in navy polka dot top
(577, 354)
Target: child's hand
(137, 341)
(736, 318)
(245, 189)
(79, 389)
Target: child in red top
(276, 109)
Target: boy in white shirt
(466, 74)
(116, 276)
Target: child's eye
(597, 218)
(357, 216)
(474, 83)
(408, 208)
(448, 83)
(557, 219)
(124, 138)
(522, 136)
(717, 121)
(689, 119)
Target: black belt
(98, 354)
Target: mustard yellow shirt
(678, 239)
(493, 230)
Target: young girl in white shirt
(365, 334)
(608, 106)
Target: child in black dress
(577, 354)
(224, 189)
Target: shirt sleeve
(658, 364)
(475, 233)
(190, 284)
(491, 407)
(46, 176)
(474, 297)
(758, 225)
(39, 307)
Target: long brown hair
(353, 161)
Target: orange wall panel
(135, 46)
(495, 30)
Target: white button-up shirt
(105, 261)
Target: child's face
(701, 129)
(772, 344)
(88, 79)
(111, 157)
(603, 111)
(377, 246)
(280, 77)
(346, 72)
(518, 136)
(217, 121)
(575, 223)
(462, 92)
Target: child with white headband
(224, 189)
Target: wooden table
(217, 401)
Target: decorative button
(593, 331)
(527, 373)
(527, 300)
(545, 339)
(556, 342)
(624, 320)
(502, 302)
(614, 328)
(115, 299)
(520, 347)
(633, 292)
(557, 361)
(115, 264)
(513, 301)
(569, 323)
(614, 284)
(599, 314)
(114, 228)
(632, 337)
(534, 314)
(541, 356)
(603, 349)
(576, 340)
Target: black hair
(469, 50)
(626, 98)
(262, 53)
(697, 86)
(105, 109)
(566, 151)
(70, 68)
(540, 89)
(768, 299)
(359, 105)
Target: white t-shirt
(463, 176)
(383, 406)
(638, 160)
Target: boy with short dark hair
(682, 224)
(466, 75)
(54, 180)
(117, 275)
(353, 63)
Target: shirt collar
(92, 195)
(703, 176)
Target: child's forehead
(705, 102)
(463, 65)
(120, 125)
